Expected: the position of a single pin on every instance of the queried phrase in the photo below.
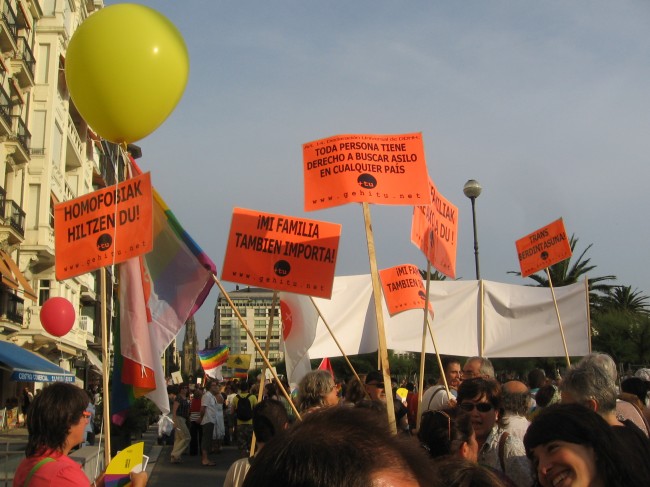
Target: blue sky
(546, 104)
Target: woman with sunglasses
(56, 422)
(481, 399)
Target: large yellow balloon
(126, 69)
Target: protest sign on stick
(103, 228)
(434, 230)
(281, 252)
(403, 290)
(365, 168)
(540, 250)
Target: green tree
(621, 325)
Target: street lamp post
(472, 190)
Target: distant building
(254, 305)
(189, 357)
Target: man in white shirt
(208, 420)
(436, 398)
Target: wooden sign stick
(559, 321)
(383, 351)
(242, 322)
(335, 340)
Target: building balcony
(14, 217)
(75, 147)
(5, 113)
(8, 27)
(23, 63)
(22, 136)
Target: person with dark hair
(208, 419)
(446, 432)
(195, 421)
(354, 392)
(180, 416)
(570, 444)
(243, 416)
(481, 398)
(456, 472)
(56, 422)
(350, 447)
(270, 418)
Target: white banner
(518, 321)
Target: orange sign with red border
(104, 227)
(283, 253)
(434, 230)
(380, 169)
(403, 288)
(543, 248)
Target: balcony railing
(74, 136)
(23, 135)
(5, 106)
(25, 54)
(9, 17)
(15, 216)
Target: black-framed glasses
(482, 407)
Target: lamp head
(472, 189)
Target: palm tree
(435, 275)
(571, 270)
(622, 298)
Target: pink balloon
(57, 316)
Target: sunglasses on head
(482, 407)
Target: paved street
(165, 474)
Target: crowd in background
(588, 429)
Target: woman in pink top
(56, 422)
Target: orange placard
(543, 248)
(102, 228)
(403, 288)
(283, 253)
(434, 230)
(380, 169)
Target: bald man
(515, 397)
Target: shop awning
(27, 366)
(8, 263)
(95, 362)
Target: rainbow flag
(211, 358)
(174, 280)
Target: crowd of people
(586, 429)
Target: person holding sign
(56, 423)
